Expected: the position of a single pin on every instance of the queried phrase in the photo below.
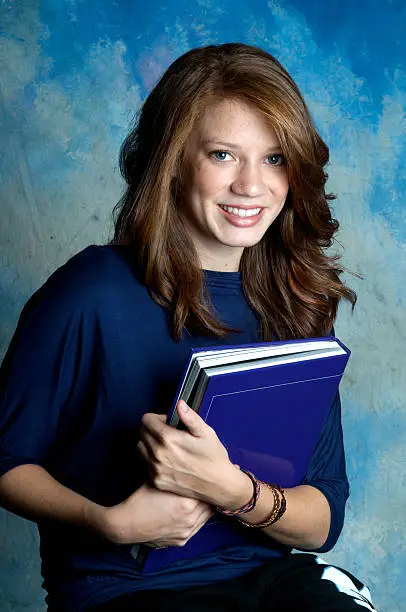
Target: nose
(249, 181)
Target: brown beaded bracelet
(278, 509)
(250, 505)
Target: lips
(241, 221)
(241, 211)
(247, 207)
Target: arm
(31, 492)
(43, 394)
(147, 516)
(304, 525)
(314, 511)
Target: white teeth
(241, 212)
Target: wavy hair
(289, 280)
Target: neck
(218, 268)
(228, 261)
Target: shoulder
(96, 265)
(88, 281)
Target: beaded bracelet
(249, 505)
(278, 509)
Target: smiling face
(235, 182)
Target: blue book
(267, 403)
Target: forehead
(234, 120)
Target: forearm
(305, 523)
(146, 515)
(31, 492)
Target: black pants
(301, 582)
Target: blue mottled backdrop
(73, 72)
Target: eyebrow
(230, 145)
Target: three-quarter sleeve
(327, 472)
(43, 372)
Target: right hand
(155, 518)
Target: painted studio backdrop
(72, 75)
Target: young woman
(219, 239)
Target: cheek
(207, 181)
(282, 187)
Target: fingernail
(183, 406)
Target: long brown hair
(289, 280)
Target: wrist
(236, 489)
(99, 519)
(123, 523)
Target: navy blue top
(91, 354)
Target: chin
(241, 243)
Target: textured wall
(72, 74)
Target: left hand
(192, 463)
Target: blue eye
(219, 155)
(276, 159)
